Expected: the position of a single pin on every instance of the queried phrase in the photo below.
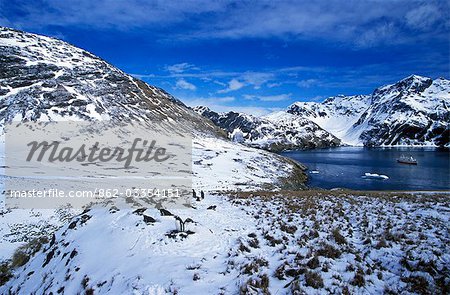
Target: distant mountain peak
(276, 132)
(412, 83)
(412, 111)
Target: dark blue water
(343, 167)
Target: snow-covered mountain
(42, 78)
(276, 132)
(336, 114)
(413, 111)
(46, 79)
(234, 243)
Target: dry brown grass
(331, 225)
(339, 193)
(313, 279)
(338, 237)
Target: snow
(223, 165)
(364, 243)
(237, 135)
(136, 256)
(336, 115)
(19, 226)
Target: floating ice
(374, 176)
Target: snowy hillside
(46, 79)
(413, 111)
(276, 132)
(254, 243)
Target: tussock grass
(375, 236)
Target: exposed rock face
(277, 132)
(413, 111)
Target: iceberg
(374, 176)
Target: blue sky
(253, 56)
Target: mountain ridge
(414, 111)
(276, 133)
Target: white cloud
(317, 98)
(221, 104)
(219, 83)
(106, 14)
(180, 68)
(306, 83)
(272, 85)
(252, 110)
(382, 33)
(207, 101)
(233, 85)
(183, 84)
(423, 17)
(273, 98)
(331, 20)
(257, 79)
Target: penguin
(149, 219)
(194, 195)
(202, 195)
(183, 223)
(139, 211)
(165, 212)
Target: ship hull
(406, 162)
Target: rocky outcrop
(277, 132)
